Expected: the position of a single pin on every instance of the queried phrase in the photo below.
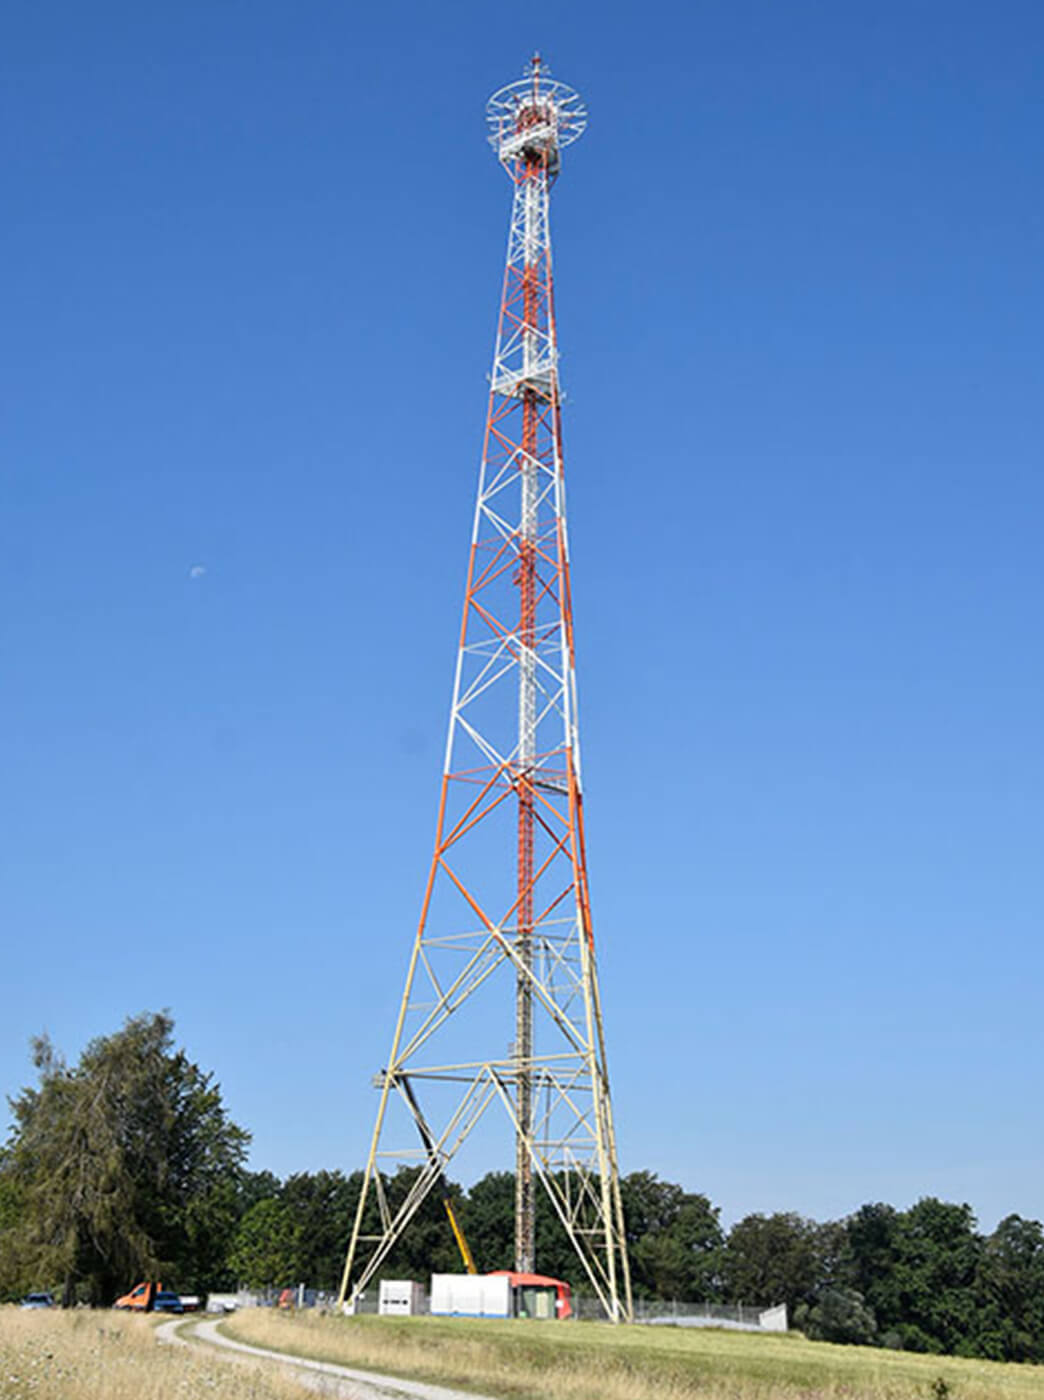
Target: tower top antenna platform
(532, 119)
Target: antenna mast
(506, 908)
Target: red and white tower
(506, 915)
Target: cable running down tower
(506, 914)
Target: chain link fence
(655, 1311)
(586, 1308)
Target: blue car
(167, 1302)
(38, 1300)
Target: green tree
(111, 1159)
(488, 1218)
(14, 1279)
(674, 1240)
(650, 1205)
(322, 1207)
(772, 1259)
(211, 1222)
(835, 1266)
(264, 1252)
(938, 1253)
(698, 1233)
(1009, 1317)
(839, 1314)
(873, 1251)
(427, 1245)
(252, 1187)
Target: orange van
(139, 1299)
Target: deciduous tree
(771, 1259)
(1010, 1292)
(264, 1252)
(113, 1159)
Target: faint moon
(197, 570)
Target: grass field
(52, 1355)
(114, 1356)
(592, 1361)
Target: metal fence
(652, 1311)
(586, 1308)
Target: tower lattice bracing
(506, 917)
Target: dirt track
(341, 1382)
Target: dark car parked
(167, 1302)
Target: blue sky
(251, 256)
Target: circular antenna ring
(537, 104)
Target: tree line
(127, 1165)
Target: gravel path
(341, 1382)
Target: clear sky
(251, 254)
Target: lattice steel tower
(506, 914)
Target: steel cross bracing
(506, 909)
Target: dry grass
(53, 1355)
(590, 1361)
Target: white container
(400, 1298)
(470, 1295)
